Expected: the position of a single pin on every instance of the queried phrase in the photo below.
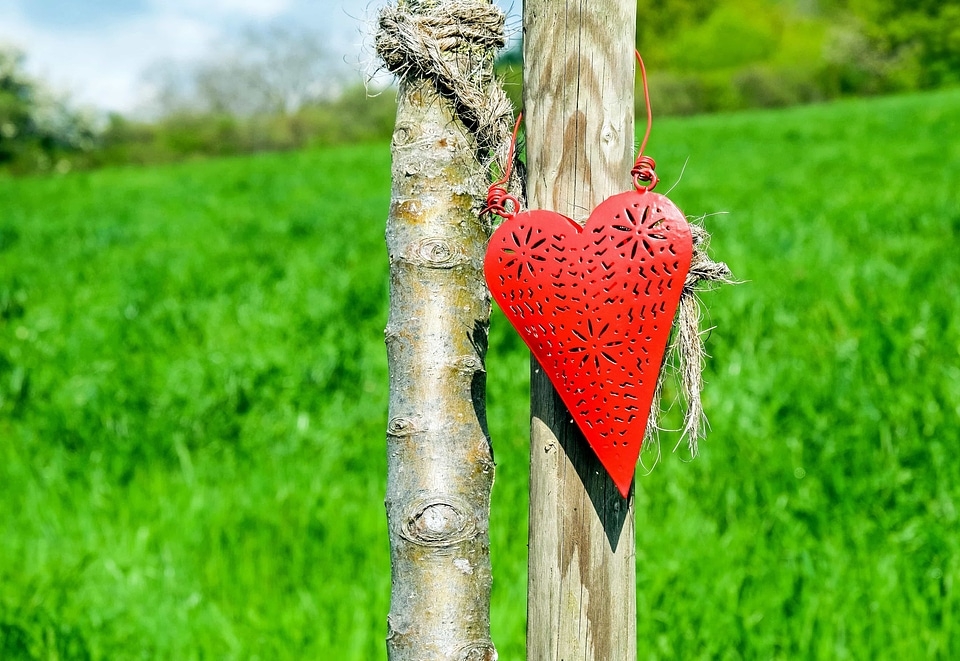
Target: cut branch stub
(596, 305)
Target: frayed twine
(685, 355)
(452, 43)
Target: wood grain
(578, 100)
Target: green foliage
(354, 116)
(38, 130)
(924, 34)
(193, 399)
(707, 56)
(733, 54)
(730, 37)
(658, 24)
(41, 133)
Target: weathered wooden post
(578, 100)
(450, 116)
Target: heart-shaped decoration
(596, 305)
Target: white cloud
(103, 67)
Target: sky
(97, 50)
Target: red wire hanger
(500, 202)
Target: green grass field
(193, 405)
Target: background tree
(274, 69)
(38, 128)
(714, 55)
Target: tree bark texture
(440, 462)
(578, 100)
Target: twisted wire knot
(497, 200)
(643, 171)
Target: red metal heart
(595, 305)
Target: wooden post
(439, 460)
(578, 101)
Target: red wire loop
(498, 199)
(497, 196)
(644, 176)
(643, 171)
(643, 168)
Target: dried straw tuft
(686, 353)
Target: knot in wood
(609, 136)
(437, 253)
(400, 426)
(469, 364)
(403, 135)
(438, 522)
(476, 651)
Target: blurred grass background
(193, 403)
